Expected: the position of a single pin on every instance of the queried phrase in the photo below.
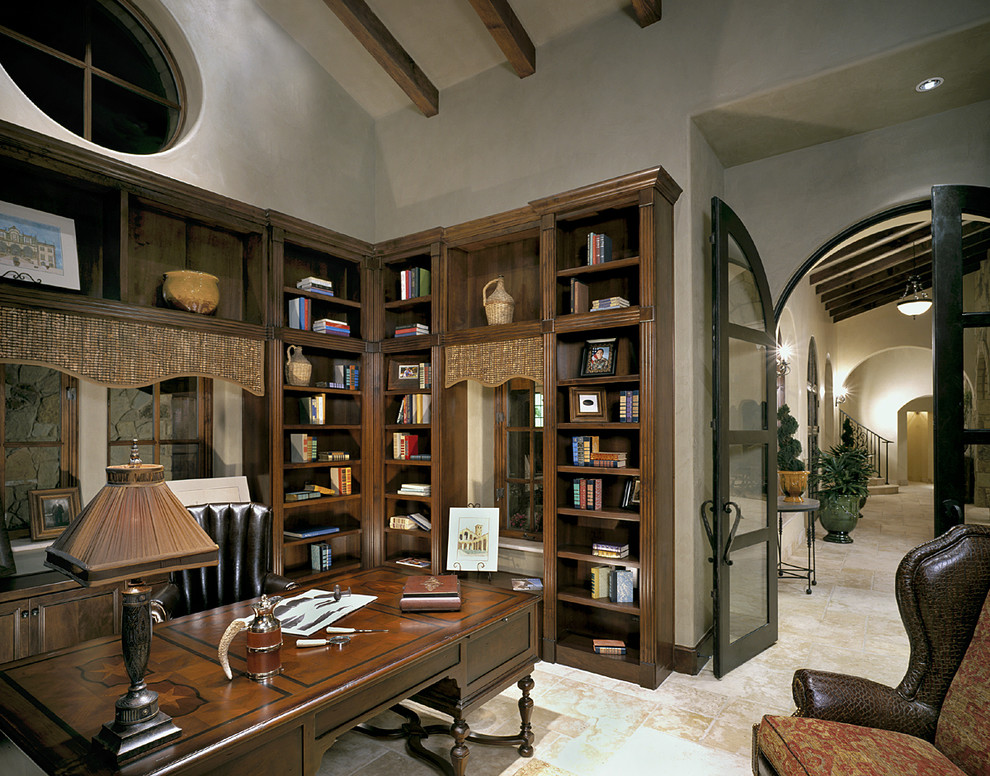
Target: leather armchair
(941, 587)
(243, 533)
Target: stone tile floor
(588, 725)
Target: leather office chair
(243, 532)
(941, 588)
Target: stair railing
(876, 446)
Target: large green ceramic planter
(838, 516)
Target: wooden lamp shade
(134, 526)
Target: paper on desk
(309, 612)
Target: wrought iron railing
(876, 446)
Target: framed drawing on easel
(472, 539)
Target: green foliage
(848, 436)
(842, 471)
(788, 448)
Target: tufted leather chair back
(243, 532)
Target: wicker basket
(298, 368)
(499, 306)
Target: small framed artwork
(472, 539)
(52, 510)
(598, 357)
(38, 247)
(630, 494)
(587, 404)
(408, 374)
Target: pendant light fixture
(914, 301)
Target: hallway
(588, 725)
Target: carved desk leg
(525, 737)
(459, 752)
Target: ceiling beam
(509, 34)
(882, 247)
(863, 243)
(375, 37)
(647, 11)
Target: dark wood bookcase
(132, 226)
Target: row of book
(616, 585)
(610, 550)
(405, 447)
(414, 408)
(585, 452)
(313, 409)
(629, 406)
(414, 282)
(587, 493)
(301, 317)
(412, 330)
(419, 489)
(412, 521)
(346, 375)
(302, 448)
(316, 285)
(609, 303)
(599, 248)
(320, 556)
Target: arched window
(813, 400)
(97, 68)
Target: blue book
(309, 533)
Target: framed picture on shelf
(587, 404)
(52, 510)
(406, 374)
(38, 247)
(472, 539)
(598, 357)
(630, 494)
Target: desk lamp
(134, 526)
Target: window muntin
(519, 459)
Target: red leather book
(430, 592)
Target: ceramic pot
(838, 516)
(192, 291)
(298, 368)
(792, 485)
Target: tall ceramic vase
(839, 516)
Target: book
(579, 296)
(309, 533)
(419, 563)
(402, 522)
(322, 489)
(320, 556)
(301, 495)
(620, 586)
(414, 283)
(527, 583)
(609, 304)
(302, 448)
(421, 520)
(340, 478)
(299, 313)
(599, 581)
(433, 592)
(609, 646)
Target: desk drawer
(495, 647)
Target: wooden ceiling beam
(897, 275)
(375, 37)
(509, 34)
(647, 11)
(868, 241)
(884, 248)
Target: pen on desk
(357, 630)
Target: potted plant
(841, 477)
(790, 467)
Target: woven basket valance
(493, 363)
(127, 354)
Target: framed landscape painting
(38, 247)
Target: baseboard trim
(690, 660)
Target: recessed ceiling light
(929, 83)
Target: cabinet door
(63, 619)
(11, 640)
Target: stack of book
(629, 406)
(301, 495)
(340, 478)
(412, 521)
(610, 460)
(331, 326)
(316, 286)
(312, 409)
(609, 646)
(418, 563)
(333, 455)
(302, 448)
(322, 490)
(414, 489)
(414, 282)
(587, 493)
(412, 329)
(434, 593)
(300, 313)
(320, 556)
(609, 550)
(405, 447)
(609, 303)
(599, 248)
(414, 408)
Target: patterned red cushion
(798, 746)
(964, 721)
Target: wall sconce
(841, 397)
(783, 366)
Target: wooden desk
(52, 705)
